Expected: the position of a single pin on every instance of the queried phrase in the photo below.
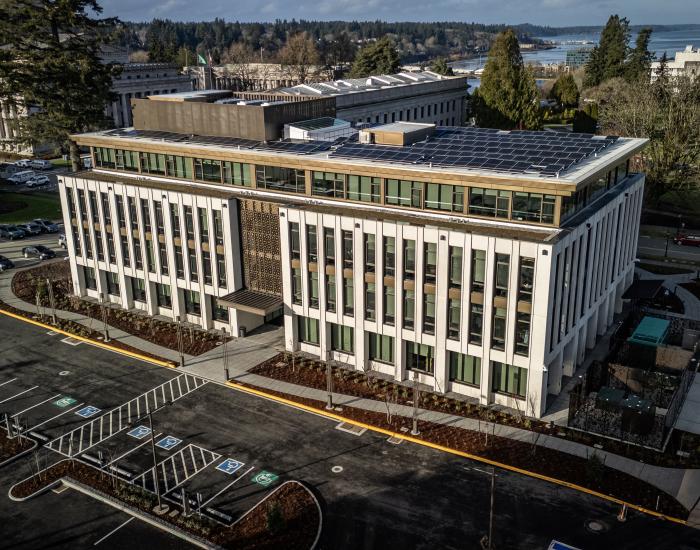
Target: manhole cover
(596, 526)
(350, 428)
(395, 440)
(336, 469)
(64, 373)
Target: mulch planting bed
(288, 519)
(312, 374)
(592, 474)
(162, 333)
(12, 447)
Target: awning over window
(251, 301)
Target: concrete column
(611, 309)
(602, 314)
(537, 392)
(581, 344)
(569, 357)
(555, 374)
(591, 330)
(115, 114)
(151, 300)
(126, 110)
(619, 290)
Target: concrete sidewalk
(245, 353)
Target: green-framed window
(179, 167)
(152, 163)
(307, 330)
(440, 196)
(342, 338)
(508, 379)
(207, 170)
(237, 173)
(404, 193)
(381, 348)
(465, 369)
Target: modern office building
(686, 63)
(421, 96)
(486, 262)
(578, 57)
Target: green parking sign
(64, 402)
(265, 478)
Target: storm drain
(395, 440)
(350, 428)
(596, 526)
(71, 341)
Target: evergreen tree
(440, 66)
(565, 91)
(50, 65)
(379, 57)
(639, 63)
(508, 96)
(608, 57)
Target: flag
(201, 59)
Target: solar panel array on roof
(544, 153)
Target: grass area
(22, 207)
(657, 231)
(681, 201)
(60, 162)
(663, 269)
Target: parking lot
(226, 450)
(12, 250)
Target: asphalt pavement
(656, 246)
(226, 450)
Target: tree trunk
(74, 156)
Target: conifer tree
(50, 65)
(379, 57)
(508, 97)
(565, 91)
(441, 67)
(639, 63)
(608, 58)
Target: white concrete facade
(578, 284)
(121, 257)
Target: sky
(555, 13)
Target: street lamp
(225, 352)
(416, 397)
(668, 234)
(493, 475)
(52, 301)
(180, 342)
(103, 309)
(156, 481)
(329, 386)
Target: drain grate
(395, 440)
(350, 428)
(71, 341)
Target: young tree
(608, 57)
(639, 63)
(300, 56)
(50, 64)
(379, 57)
(565, 91)
(508, 96)
(440, 66)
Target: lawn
(23, 207)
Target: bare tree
(299, 57)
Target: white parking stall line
(192, 455)
(244, 474)
(179, 386)
(127, 453)
(187, 382)
(162, 389)
(184, 464)
(114, 530)
(34, 406)
(172, 392)
(9, 381)
(18, 394)
(165, 476)
(54, 417)
(204, 460)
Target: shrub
(274, 518)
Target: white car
(21, 177)
(40, 164)
(38, 181)
(24, 163)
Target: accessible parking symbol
(64, 402)
(168, 442)
(87, 412)
(139, 432)
(265, 478)
(229, 466)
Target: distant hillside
(536, 30)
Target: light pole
(180, 342)
(156, 481)
(104, 316)
(329, 386)
(666, 251)
(416, 397)
(52, 301)
(492, 473)
(225, 351)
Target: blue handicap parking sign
(168, 442)
(139, 432)
(87, 412)
(229, 466)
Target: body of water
(661, 41)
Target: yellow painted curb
(449, 450)
(89, 341)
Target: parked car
(30, 229)
(25, 163)
(38, 251)
(62, 241)
(11, 232)
(40, 164)
(687, 240)
(21, 177)
(5, 263)
(47, 226)
(38, 181)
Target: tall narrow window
(192, 259)
(389, 256)
(502, 275)
(206, 267)
(381, 348)
(189, 223)
(456, 267)
(330, 293)
(409, 259)
(175, 220)
(429, 313)
(476, 323)
(192, 302)
(478, 270)
(203, 224)
(329, 245)
(522, 334)
(465, 369)
(499, 328)
(313, 289)
(389, 305)
(308, 330)
(527, 277)
(311, 244)
(454, 313)
(342, 338)
(370, 253)
(420, 357)
(106, 210)
(221, 270)
(508, 379)
(409, 308)
(348, 297)
(158, 207)
(294, 241)
(179, 262)
(296, 286)
(163, 255)
(370, 301)
(430, 267)
(347, 250)
(146, 216)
